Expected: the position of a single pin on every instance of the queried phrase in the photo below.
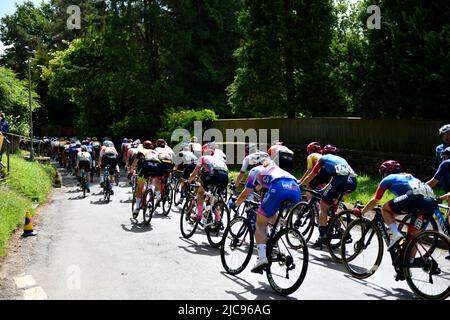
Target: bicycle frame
(442, 218)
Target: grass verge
(27, 183)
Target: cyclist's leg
(200, 199)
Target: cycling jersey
(187, 157)
(400, 184)
(219, 153)
(334, 165)
(251, 160)
(196, 148)
(211, 163)
(266, 175)
(312, 159)
(443, 175)
(165, 154)
(109, 152)
(84, 156)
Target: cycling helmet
(108, 143)
(329, 149)
(125, 140)
(84, 148)
(446, 152)
(161, 143)
(262, 157)
(194, 139)
(85, 142)
(94, 139)
(444, 129)
(389, 167)
(147, 144)
(313, 147)
(185, 146)
(208, 149)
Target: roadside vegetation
(28, 183)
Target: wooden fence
(378, 135)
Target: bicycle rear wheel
(428, 275)
(167, 199)
(288, 258)
(335, 231)
(177, 200)
(187, 225)
(237, 246)
(302, 218)
(362, 248)
(149, 206)
(215, 233)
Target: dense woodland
(139, 67)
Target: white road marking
(24, 281)
(36, 293)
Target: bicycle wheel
(149, 205)
(187, 225)
(177, 199)
(287, 253)
(237, 246)
(302, 218)
(335, 231)
(216, 232)
(428, 275)
(362, 248)
(167, 199)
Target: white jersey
(196, 149)
(165, 154)
(219, 153)
(188, 157)
(252, 159)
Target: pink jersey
(266, 175)
(211, 163)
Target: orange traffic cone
(28, 227)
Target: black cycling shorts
(323, 177)
(150, 169)
(286, 161)
(111, 161)
(218, 178)
(166, 167)
(338, 186)
(414, 204)
(85, 164)
(188, 169)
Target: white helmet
(262, 157)
(444, 129)
(108, 144)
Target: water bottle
(419, 221)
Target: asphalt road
(89, 250)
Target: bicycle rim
(149, 206)
(237, 246)
(288, 258)
(187, 225)
(216, 234)
(302, 219)
(167, 201)
(428, 275)
(335, 231)
(362, 249)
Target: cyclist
(250, 161)
(442, 175)
(314, 154)
(412, 196)
(148, 166)
(281, 186)
(84, 161)
(444, 133)
(188, 161)
(108, 156)
(282, 155)
(166, 156)
(343, 181)
(196, 147)
(213, 172)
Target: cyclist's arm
(432, 182)
(375, 199)
(244, 194)
(239, 178)
(194, 174)
(445, 197)
(312, 174)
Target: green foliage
(27, 182)
(184, 119)
(14, 101)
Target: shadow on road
(137, 227)
(264, 292)
(323, 258)
(79, 197)
(385, 294)
(204, 248)
(101, 202)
